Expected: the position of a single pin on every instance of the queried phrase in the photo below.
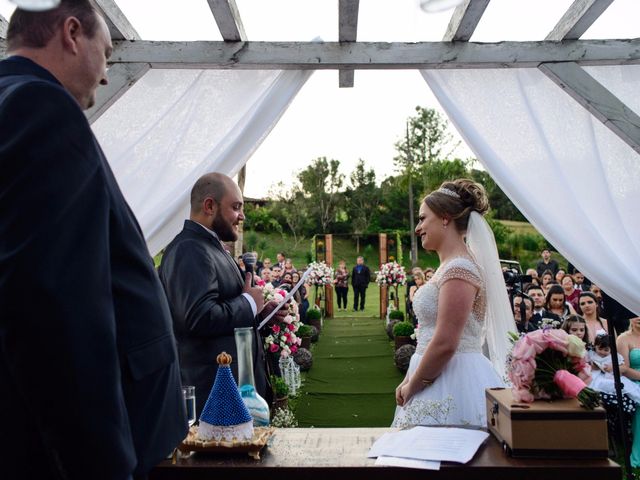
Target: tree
(434, 173)
(425, 138)
(362, 200)
(321, 184)
(500, 203)
(289, 208)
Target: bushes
(396, 315)
(280, 387)
(314, 313)
(304, 331)
(403, 329)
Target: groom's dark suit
(204, 287)
(89, 379)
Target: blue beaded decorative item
(225, 416)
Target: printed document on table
(407, 463)
(430, 443)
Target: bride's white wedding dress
(457, 397)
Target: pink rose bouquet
(391, 274)
(282, 340)
(550, 363)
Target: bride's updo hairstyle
(457, 199)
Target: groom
(208, 294)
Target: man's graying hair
(36, 29)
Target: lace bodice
(425, 305)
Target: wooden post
(328, 289)
(382, 239)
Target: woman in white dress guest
(462, 310)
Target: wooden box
(543, 429)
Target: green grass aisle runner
(353, 378)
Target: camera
(513, 276)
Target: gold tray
(252, 448)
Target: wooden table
(340, 453)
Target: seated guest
(428, 273)
(559, 275)
(556, 302)
(276, 274)
(547, 278)
(582, 283)
(570, 291)
(588, 306)
(523, 324)
(265, 275)
(304, 296)
(576, 325)
(266, 263)
(533, 273)
(539, 312)
(288, 266)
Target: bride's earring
(444, 224)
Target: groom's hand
(279, 315)
(255, 292)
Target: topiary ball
(392, 323)
(304, 359)
(314, 334)
(402, 357)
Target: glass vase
(257, 406)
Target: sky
(366, 121)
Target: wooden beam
(464, 20)
(347, 32)
(3, 27)
(228, 19)
(122, 76)
(599, 101)
(119, 26)
(374, 56)
(577, 19)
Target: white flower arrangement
(391, 274)
(284, 418)
(320, 274)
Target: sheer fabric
(574, 179)
(173, 126)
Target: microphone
(250, 259)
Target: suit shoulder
(42, 94)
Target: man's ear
(71, 31)
(209, 206)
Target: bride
(462, 310)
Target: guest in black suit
(208, 295)
(360, 278)
(88, 366)
(539, 299)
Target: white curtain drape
(574, 179)
(173, 126)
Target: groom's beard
(224, 229)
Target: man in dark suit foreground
(208, 295)
(88, 367)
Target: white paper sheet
(407, 463)
(430, 443)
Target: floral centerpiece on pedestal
(320, 274)
(282, 340)
(391, 274)
(548, 364)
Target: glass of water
(189, 395)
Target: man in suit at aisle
(360, 278)
(208, 295)
(88, 367)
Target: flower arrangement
(550, 363)
(284, 418)
(283, 339)
(391, 273)
(321, 274)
